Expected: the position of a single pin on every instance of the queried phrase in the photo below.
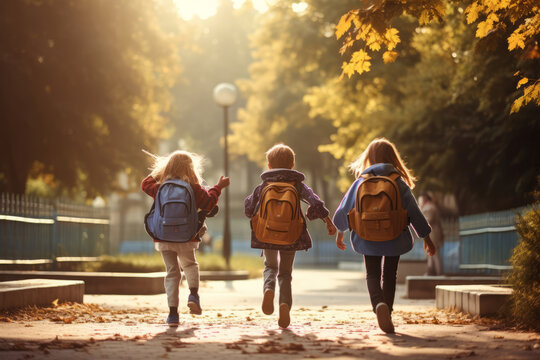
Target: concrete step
(21, 293)
(423, 287)
(117, 283)
(25, 264)
(410, 268)
(473, 299)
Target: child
(281, 164)
(185, 166)
(381, 158)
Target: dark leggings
(381, 289)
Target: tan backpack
(377, 214)
(278, 219)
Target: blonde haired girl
(381, 158)
(187, 167)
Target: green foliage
(524, 278)
(154, 263)
(86, 85)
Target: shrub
(153, 263)
(525, 276)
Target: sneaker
(383, 317)
(284, 316)
(194, 304)
(173, 320)
(268, 302)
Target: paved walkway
(331, 318)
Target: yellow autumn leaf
(424, 17)
(55, 302)
(344, 24)
(516, 40)
(522, 82)
(359, 56)
(389, 56)
(483, 28)
(392, 38)
(348, 69)
(492, 18)
(516, 105)
(472, 12)
(374, 41)
(360, 62)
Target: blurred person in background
(433, 215)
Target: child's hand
(330, 226)
(429, 247)
(223, 182)
(339, 241)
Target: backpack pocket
(174, 228)
(377, 224)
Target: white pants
(171, 253)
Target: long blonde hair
(381, 150)
(178, 165)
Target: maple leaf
(522, 82)
(389, 56)
(344, 24)
(516, 40)
(348, 69)
(360, 60)
(392, 38)
(517, 104)
(472, 12)
(374, 41)
(483, 28)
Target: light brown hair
(280, 156)
(178, 165)
(381, 150)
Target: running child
(279, 227)
(378, 209)
(180, 171)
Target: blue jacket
(398, 246)
(316, 209)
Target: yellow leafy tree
(367, 30)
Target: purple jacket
(316, 209)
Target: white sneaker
(383, 317)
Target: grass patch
(154, 262)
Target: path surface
(331, 319)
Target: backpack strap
(394, 176)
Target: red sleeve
(150, 186)
(206, 199)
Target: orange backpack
(278, 219)
(377, 214)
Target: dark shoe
(268, 302)
(173, 320)
(194, 304)
(383, 318)
(284, 316)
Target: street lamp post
(225, 96)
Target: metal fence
(487, 241)
(36, 228)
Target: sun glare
(207, 8)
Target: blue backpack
(173, 216)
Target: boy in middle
(278, 225)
